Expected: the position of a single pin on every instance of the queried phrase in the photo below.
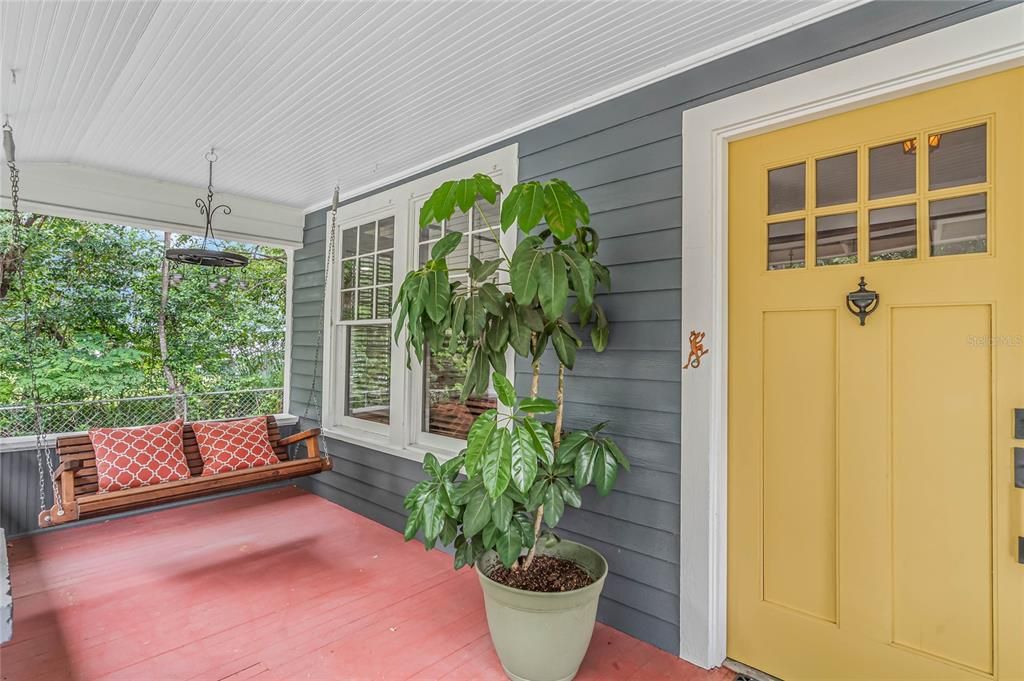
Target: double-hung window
(376, 393)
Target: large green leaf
(582, 277)
(497, 463)
(476, 316)
(532, 318)
(497, 334)
(487, 187)
(492, 298)
(465, 194)
(570, 494)
(525, 273)
(518, 332)
(501, 512)
(542, 443)
(552, 285)
(578, 203)
(565, 347)
(506, 391)
(438, 295)
(537, 405)
(554, 506)
(477, 514)
(481, 270)
(509, 546)
(433, 516)
(458, 317)
(531, 206)
(616, 453)
(446, 245)
(559, 210)
(585, 458)
(525, 452)
(570, 446)
(463, 555)
(605, 470)
(478, 438)
(510, 207)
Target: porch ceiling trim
(971, 49)
(82, 192)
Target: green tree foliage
(94, 293)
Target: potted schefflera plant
(498, 502)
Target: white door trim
(990, 43)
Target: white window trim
(403, 437)
(967, 50)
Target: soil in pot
(547, 574)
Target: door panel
(872, 513)
(799, 487)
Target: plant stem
(556, 440)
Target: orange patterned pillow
(234, 445)
(136, 457)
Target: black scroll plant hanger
(203, 256)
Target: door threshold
(746, 672)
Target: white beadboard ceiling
(297, 96)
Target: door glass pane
(383, 302)
(958, 225)
(348, 242)
(369, 373)
(893, 232)
(364, 304)
(348, 273)
(786, 245)
(443, 413)
(892, 171)
(366, 271)
(836, 239)
(786, 189)
(385, 267)
(385, 234)
(366, 237)
(956, 158)
(836, 180)
(348, 305)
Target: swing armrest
(69, 466)
(312, 433)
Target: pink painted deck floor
(271, 585)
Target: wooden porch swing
(75, 480)
(76, 485)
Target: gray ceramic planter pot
(543, 636)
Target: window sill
(376, 443)
(25, 443)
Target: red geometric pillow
(136, 457)
(234, 445)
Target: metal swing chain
(315, 400)
(42, 452)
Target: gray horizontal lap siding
(624, 156)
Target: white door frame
(987, 44)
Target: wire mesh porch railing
(71, 417)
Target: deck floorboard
(268, 586)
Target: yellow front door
(873, 519)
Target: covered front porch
(280, 584)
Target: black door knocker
(863, 301)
